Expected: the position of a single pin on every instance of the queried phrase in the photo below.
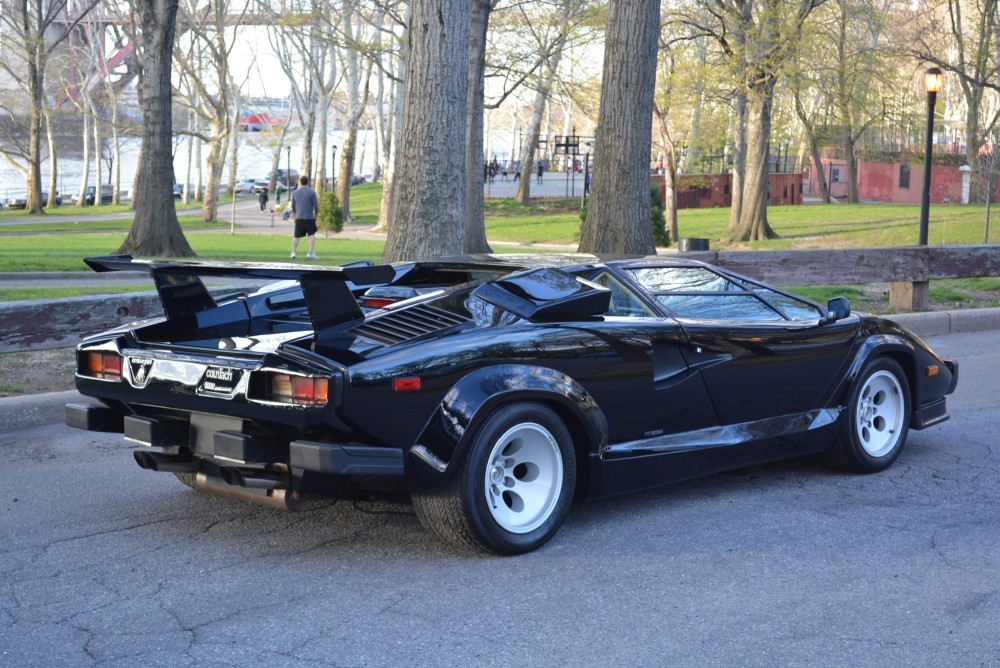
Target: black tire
(513, 487)
(188, 479)
(877, 419)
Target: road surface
(103, 563)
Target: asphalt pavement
(102, 563)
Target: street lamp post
(933, 79)
(288, 172)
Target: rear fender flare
(473, 398)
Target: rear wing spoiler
(328, 291)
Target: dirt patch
(37, 371)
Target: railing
(55, 323)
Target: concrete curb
(937, 323)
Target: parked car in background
(178, 190)
(260, 185)
(107, 194)
(245, 187)
(289, 178)
(21, 201)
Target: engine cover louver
(403, 325)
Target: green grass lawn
(187, 221)
(39, 246)
(849, 225)
(65, 252)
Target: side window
(623, 302)
(682, 279)
(700, 293)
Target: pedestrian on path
(272, 216)
(262, 198)
(305, 208)
(541, 170)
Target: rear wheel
(513, 487)
(878, 419)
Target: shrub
(331, 216)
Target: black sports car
(495, 393)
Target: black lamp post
(288, 171)
(933, 79)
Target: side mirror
(837, 308)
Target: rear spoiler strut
(327, 290)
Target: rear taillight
(287, 388)
(377, 302)
(99, 364)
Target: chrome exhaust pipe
(158, 461)
(250, 478)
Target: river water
(253, 161)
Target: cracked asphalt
(102, 563)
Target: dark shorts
(304, 226)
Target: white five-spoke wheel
(876, 420)
(879, 413)
(512, 487)
(524, 473)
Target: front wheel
(877, 420)
(513, 487)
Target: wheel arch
(475, 397)
(897, 348)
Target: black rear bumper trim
(346, 459)
(94, 418)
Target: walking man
(305, 208)
(262, 198)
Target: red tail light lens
(98, 364)
(377, 302)
(301, 390)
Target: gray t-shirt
(305, 205)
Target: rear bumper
(229, 445)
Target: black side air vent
(409, 323)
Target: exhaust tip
(144, 460)
(232, 476)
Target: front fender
(447, 434)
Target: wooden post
(909, 296)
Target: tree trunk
(475, 226)
(670, 193)
(852, 167)
(395, 127)
(85, 176)
(618, 217)
(429, 206)
(739, 160)
(35, 83)
(155, 231)
(53, 158)
(753, 216)
(824, 187)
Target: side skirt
(638, 465)
(714, 437)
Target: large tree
(619, 213)
(155, 230)
(758, 38)
(428, 208)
